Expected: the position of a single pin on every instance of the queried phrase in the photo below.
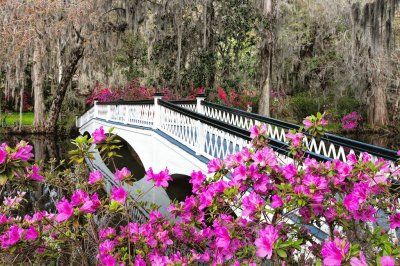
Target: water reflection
(385, 141)
(44, 147)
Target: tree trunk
(37, 78)
(377, 109)
(68, 73)
(21, 107)
(266, 54)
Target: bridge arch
(153, 149)
(129, 158)
(179, 188)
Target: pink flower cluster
(160, 179)
(249, 209)
(351, 120)
(98, 135)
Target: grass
(13, 118)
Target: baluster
(126, 118)
(96, 111)
(157, 110)
(108, 115)
(199, 98)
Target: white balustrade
(321, 147)
(204, 139)
(179, 127)
(189, 106)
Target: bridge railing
(209, 137)
(213, 130)
(187, 104)
(330, 146)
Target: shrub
(304, 104)
(347, 104)
(275, 206)
(351, 120)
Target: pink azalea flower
(394, 220)
(351, 202)
(119, 194)
(251, 203)
(65, 210)
(90, 206)
(265, 242)
(196, 179)
(295, 138)
(277, 201)
(106, 247)
(95, 177)
(359, 262)
(34, 173)
(160, 179)
(23, 152)
(98, 135)
(31, 234)
(107, 233)
(387, 261)
(11, 237)
(3, 156)
(214, 165)
(398, 152)
(240, 173)
(3, 219)
(108, 260)
(139, 261)
(330, 214)
(222, 237)
(256, 131)
(122, 174)
(334, 252)
(307, 124)
(323, 122)
(366, 214)
(79, 197)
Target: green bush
(346, 105)
(304, 104)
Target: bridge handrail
(139, 102)
(278, 146)
(341, 141)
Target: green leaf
(281, 253)
(3, 180)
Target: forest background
(287, 59)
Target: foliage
(11, 119)
(242, 98)
(304, 104)
(131, 91)
(247, 218)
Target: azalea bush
(133, 91)
(247, 209)
(243, 98)
(351, 121)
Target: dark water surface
(45, 147)
(384, 141)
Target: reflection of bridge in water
(185, 135)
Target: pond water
(385, 141)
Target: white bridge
(185, 135)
